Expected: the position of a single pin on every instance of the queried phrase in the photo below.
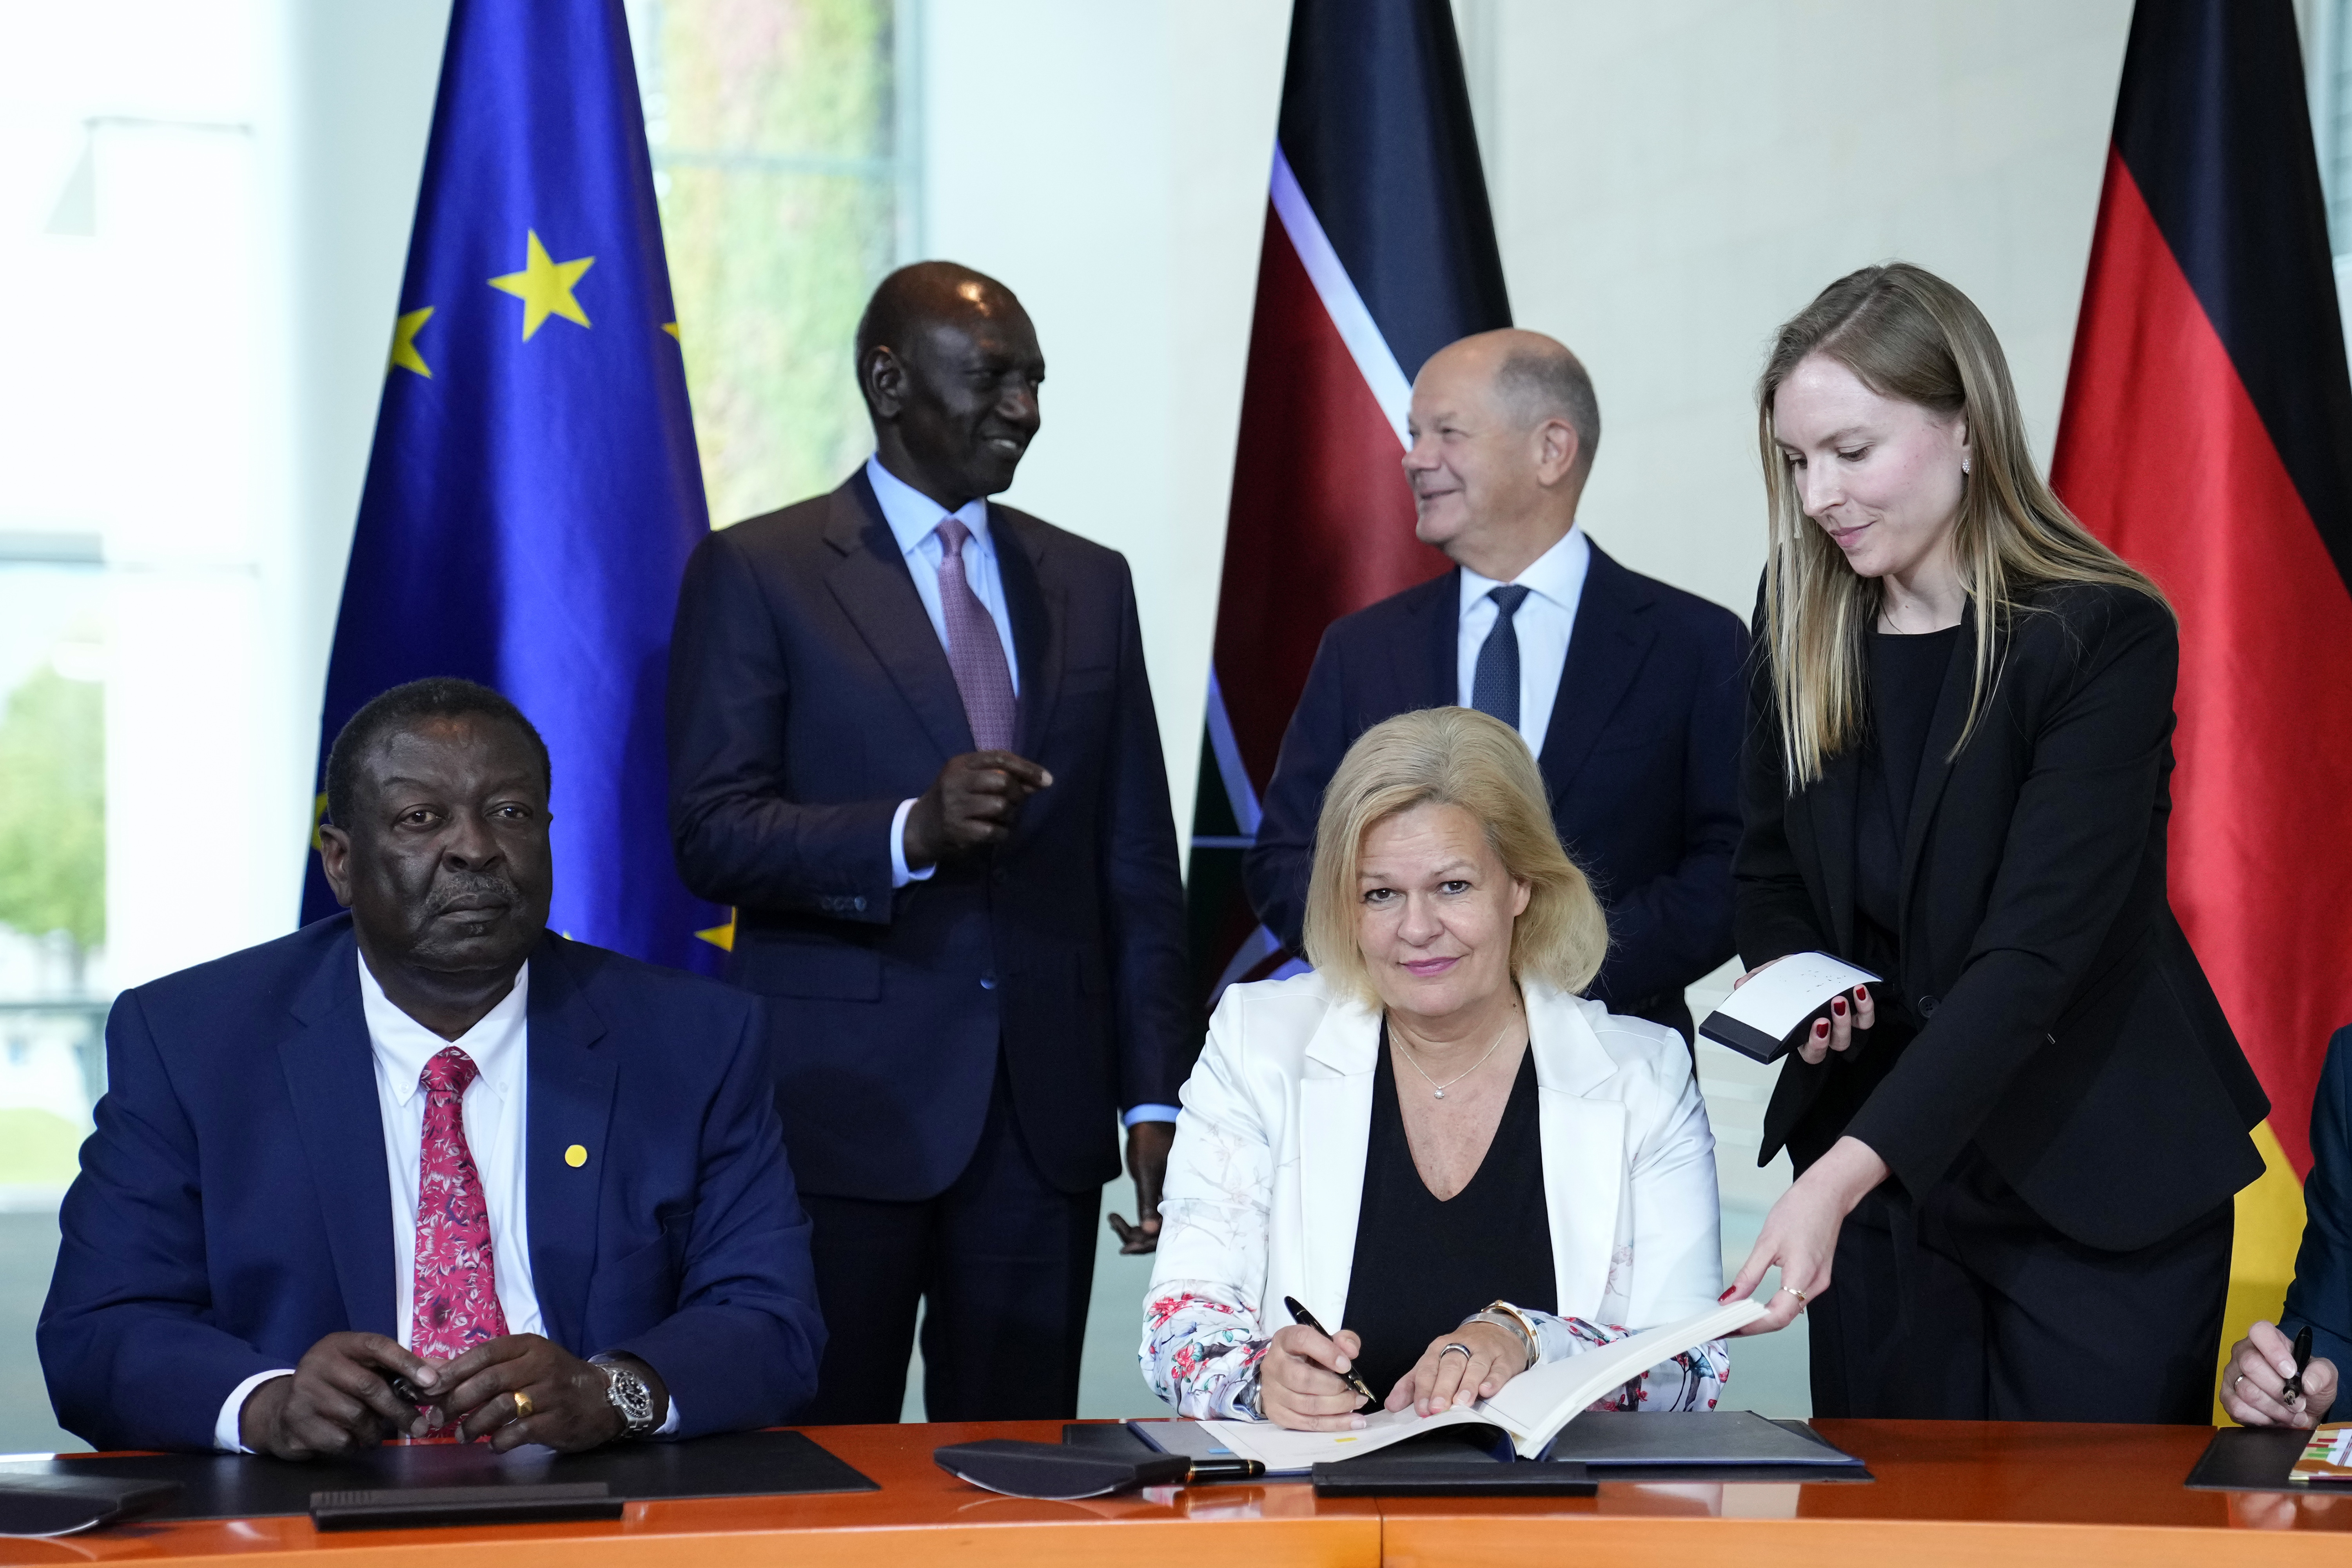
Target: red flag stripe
(1322, 517)
(2166, 458)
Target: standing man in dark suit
(1627, 691)
(912, 742)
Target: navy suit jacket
(234, 1206)
(809, 695)
(2321, 1295)
(1642, 759)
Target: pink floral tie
(457, 1299)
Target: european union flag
(534, 492)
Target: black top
(1422, 1266)
(1906, 675)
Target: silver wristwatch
(629, 1395)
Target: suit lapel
(1335, 1134)
(871, 583)
(1935, 761)
(1428, 660)
(330, 1076)
(570, 1102)
(1583, 1145)
(1605, 650)
(1037, 606)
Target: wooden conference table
(1993, 1495)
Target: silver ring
(2235, 1381)
(1456, 1345)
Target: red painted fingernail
(1822, 1030)
(1726, 1292)
(1861, 992)
(1838, 1006)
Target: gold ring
(1793, 1290)
(522, 1404)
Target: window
(782, 135)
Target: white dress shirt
(495, 1109)
(914, 519)
(1546, 619)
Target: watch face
(631, 1398)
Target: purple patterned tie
(975, 653)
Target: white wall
(1673, 180)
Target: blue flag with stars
(534, 492)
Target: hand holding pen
(1309, 1381)
(2267, 1382)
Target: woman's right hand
(1834, 1033)
(1298, 1381)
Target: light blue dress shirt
(914, 519)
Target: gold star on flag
(544, 287)
(671, 327)
(403, 343)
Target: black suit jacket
(809, 695)
(1642, 758)
(2064, 1023)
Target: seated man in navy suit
(2254, 1378)
(1627, 691)
(429, 1166)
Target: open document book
(1532, 1408)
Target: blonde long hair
(1453, 757)
(1905, 333)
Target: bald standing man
(1627, 691)
(912, 742)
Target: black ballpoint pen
(2293, 1389)
(1306, 1319)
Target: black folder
(2254, 1460)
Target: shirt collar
(914, 516)
(405, 1046)
(1556, 575)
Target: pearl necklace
(1438, 1089)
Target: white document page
(1532, 1407)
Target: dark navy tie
(1495, 688)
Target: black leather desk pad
(247, 1486)
(1450, 1446)
(2255, 1459)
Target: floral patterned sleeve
(1200, 1355)
(1692, 1380)
(1203, 1332)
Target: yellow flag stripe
(2262, 1256)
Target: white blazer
(1267, 1177)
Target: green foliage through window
(772, 129)
(53, 808)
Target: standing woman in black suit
(2016, 1155)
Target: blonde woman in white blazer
(1437, 1074)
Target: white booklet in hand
(1763, 1018)
(1532, 1408)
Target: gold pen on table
(1306, 1319)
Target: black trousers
(1002, 1261)
(1964, 1306)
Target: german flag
(2208, 438)
(1379, 250)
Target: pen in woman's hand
(2294, 1388)
(1306, 1319)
